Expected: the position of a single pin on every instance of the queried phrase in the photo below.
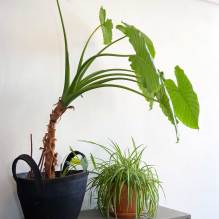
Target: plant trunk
(49, 156)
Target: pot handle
(70, 156)
(29, 160)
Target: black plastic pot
(58, 198)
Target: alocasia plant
(177, 102)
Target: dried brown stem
(49, 157)
(30, 173)
(31, 145)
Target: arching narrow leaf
(106, 26)
(184, 99)
(67, 65)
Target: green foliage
(125, 169)
(141, 62)
(184, 99)
(149, 44)
(67, 65)
(75, 163)
(106, 26)
(165, 105)
(180, 102)
(139, 40)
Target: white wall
(31, 73)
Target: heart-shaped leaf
(184, 99)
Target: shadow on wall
(11, 202)
(29, 33)
(213, 2)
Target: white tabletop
(163, 213)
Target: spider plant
(125, 169)
(178, 101)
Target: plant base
(57, 198)
(123, 210)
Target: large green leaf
(165, 105)
(146, 77)
(106, 26)
(149, 44)
(128, 30)
(166, 108)
(142, 63)
(184, 99)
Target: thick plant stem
(49, 155)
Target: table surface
(163, 213)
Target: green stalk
(67, 65)
(99, 55)
(85, 47)
(80, 73)
(116, 55)
(70, 98)
(103, 71)
(72, 87)
(115, 41)
(74, 82)
(111, 79)
(88, 65)
(96, 76)
(87, 82)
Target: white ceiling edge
(213, 2)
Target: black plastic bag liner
(58, 198)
